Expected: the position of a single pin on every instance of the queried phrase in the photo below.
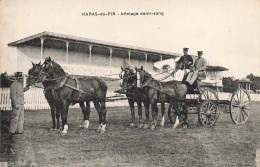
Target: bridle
(140, 78)
(35, 79)
(126, 78)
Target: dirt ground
(224, 144)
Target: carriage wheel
(172, 114)
(209, 94)
(240, 106)
(208, 113)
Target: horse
(48, 93)
(173, 92)
(133, 94)
(70, 90)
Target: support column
(110, 57)
(145, 61)
(67, 52)
(249, 86)
(42, 41)
(90, 49)
(129, 57)
(246, 86)
(24, 80)
(161, 58)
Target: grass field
(224, 144)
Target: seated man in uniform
(183, 64)
(198, 71)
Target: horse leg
(147, 105)
(132, 108)
(104, 113)
(64, 115)
(170, 113)
(139, 104)
(84, 111)
(185, 110)
(163, 112)
(177, 111)
(98, 108)
(58, 116)
(53, 110)
(154, 114)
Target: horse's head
(36, 74)
(142, 76)
(127, 76)
(52, 68)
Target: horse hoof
(184, 126)
(174, 126)
(140, 125)
(63, 133)
(146, 126)
(102, 131)
(132, 125)
(152, 127)
(162, 125)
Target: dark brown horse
(70, 90)
(173, 92)
(34, 73)
(129, 82)
(134, 94)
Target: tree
(229, 85)
(256, 82)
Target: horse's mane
(58, 68)
(147, 74)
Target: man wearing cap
(17, 97)
(199, 70)
(184, 63)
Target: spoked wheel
(172, 114)
(240, 106)
(208, 113)
(209, 94)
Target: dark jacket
(185, 62)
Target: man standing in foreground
(199, 70)
(17, 97)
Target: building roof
(244, 81)
(34, 40)
(216, 68)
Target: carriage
(62, 89)
(204, 101)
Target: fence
(34, 99)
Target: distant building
(214, 75)
(83, 56)
(245, 84)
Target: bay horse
(48, 93)
(70, 90)
(173, 92)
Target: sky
(227, 31)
